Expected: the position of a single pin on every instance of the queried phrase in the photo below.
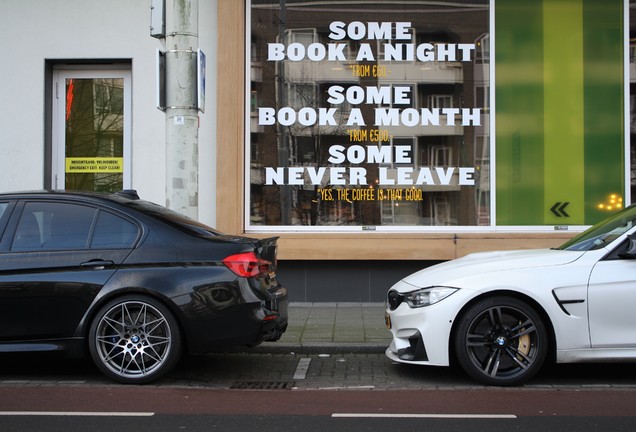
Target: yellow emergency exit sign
(77, 165)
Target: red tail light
(247, 264)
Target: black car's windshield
(604, 232)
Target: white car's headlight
(427, 296)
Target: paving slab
(332, 328)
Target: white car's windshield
(604, 232)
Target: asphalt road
(148, 408)
(160, 423)
(338, 392)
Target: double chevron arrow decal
(558, 209)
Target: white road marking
(370, 387)
(76, 413)
(441, 416)
(302, 368)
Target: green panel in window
(519, 112)
(563, 113)
(604, 108)
(559, 100)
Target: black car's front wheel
(501, 341)
(134, 339)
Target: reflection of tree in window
(94, 129)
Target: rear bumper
(276, 316)
(245, 320)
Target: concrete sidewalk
(331, 328)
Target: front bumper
(423, 335)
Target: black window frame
(5, 216)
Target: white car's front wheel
(501, 341)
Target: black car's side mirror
(630, 250)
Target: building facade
(373, 137)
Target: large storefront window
(369, 117)
(379, 117)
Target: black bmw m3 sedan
(130, 283)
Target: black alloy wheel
(134, 340)
(501, 341)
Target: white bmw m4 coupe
(502, 315)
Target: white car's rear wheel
(501, 341)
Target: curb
(317, 348)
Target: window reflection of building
(94, 128)
(434, 85)
(481, 74)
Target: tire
(134, 340)
(501, 341)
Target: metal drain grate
(262, 385)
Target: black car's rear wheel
(501, 341)
(134, 339)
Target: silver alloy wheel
(502, 342)
(133, 340)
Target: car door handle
(97, 264)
